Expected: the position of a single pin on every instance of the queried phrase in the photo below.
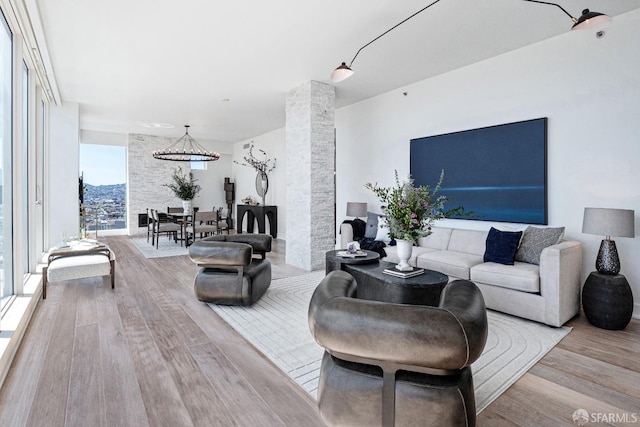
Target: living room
(587, 87)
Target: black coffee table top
(335, 262)
(373, 284)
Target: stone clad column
(310, 145)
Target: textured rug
(277, 326)
(166, 247)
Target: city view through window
(103, 180)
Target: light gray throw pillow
(372, 225)
(534, 240)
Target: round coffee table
(375, 285)
(333, 261)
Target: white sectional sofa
(548, 293)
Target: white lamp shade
(592, 21)
(609, 222)
(357, 209)
(341, 73)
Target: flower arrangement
(410, 210)
(184, 187)
(262, 166)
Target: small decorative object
(353, 247)
(184, 187)
(263, 167)
(247, 200)
(608, 222)
(410, 212)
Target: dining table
(183, 219)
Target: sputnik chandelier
(186, 149)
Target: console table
(373, 284)
(259, 212)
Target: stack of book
(403, 274)
(347, 254)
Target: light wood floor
(149, 353)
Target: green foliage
(184, 187)
(410, 210)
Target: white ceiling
(164, 61)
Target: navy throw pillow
(501, 246)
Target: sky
(103, 164)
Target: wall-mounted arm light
(344, 71)
(588, 20)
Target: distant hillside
(100, 192)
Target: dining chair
(168, 228)
(174, 210)
(221, 221)
(150, 227)
(204, 223)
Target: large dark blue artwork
(499, 173)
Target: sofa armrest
(346, 235)
(560, 269)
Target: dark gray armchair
(397, 364)
(230, 273)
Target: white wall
(62, 194)
(273, 143)
(588, 88)
(212, 183)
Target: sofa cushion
(383, 230)
(534, 240)
(456, 264)
(371, 229)
(468, 241)
(520, 276)
(501, 246)
(416, 251)
(438, 239)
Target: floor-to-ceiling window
(39, 178)
(104, 177)
(6, 116)
(25, 168)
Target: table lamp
(608, 222)
(357, 209)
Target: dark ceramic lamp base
(608, 261)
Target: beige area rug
(166, 247)
(277, 326)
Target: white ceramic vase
(186, 207)
(403, 250)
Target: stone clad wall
(146, 177)
(310, 146)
